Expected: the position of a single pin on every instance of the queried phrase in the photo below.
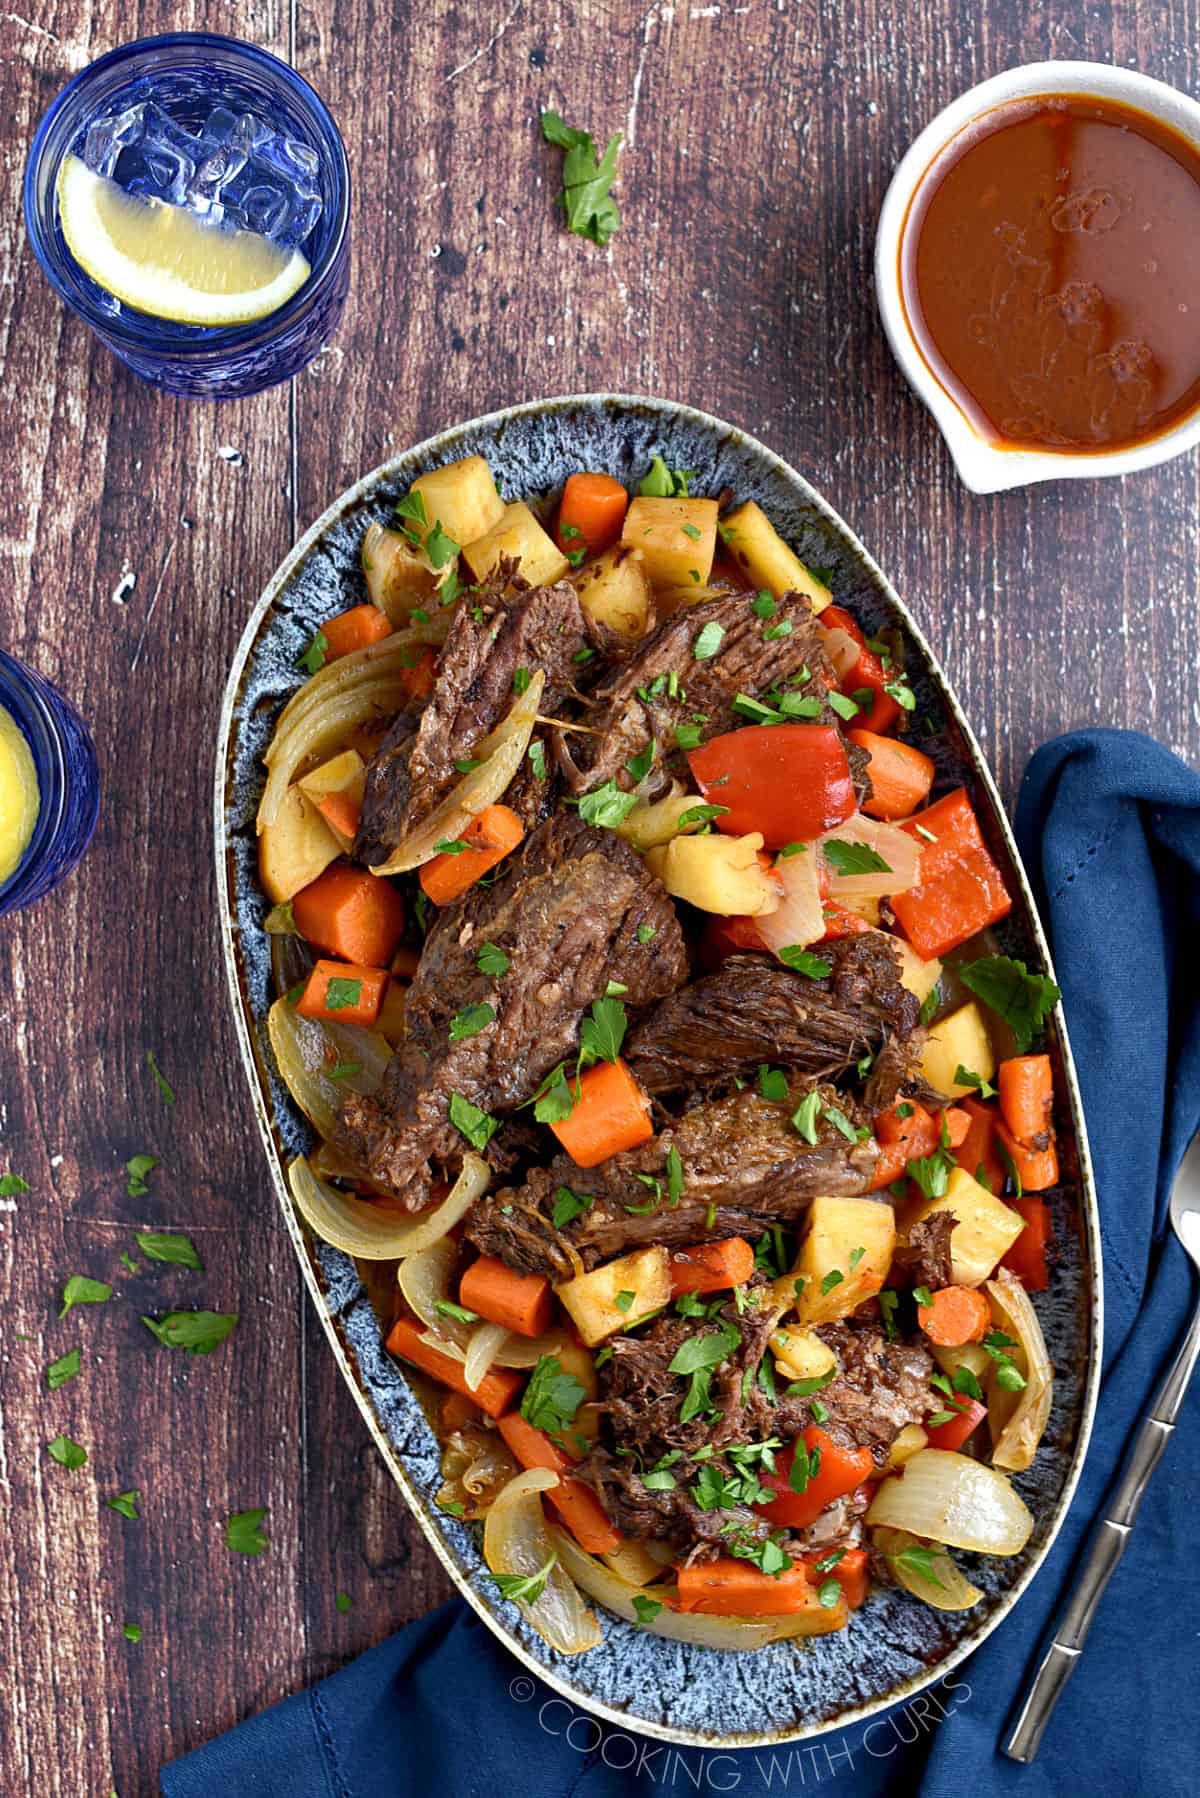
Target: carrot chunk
(729, 1588)
(493, 835)
(575, 1502)
(977, 1151)
(352, 914)
(495, 1392)
(354, 630)
(341, 811)
(521, 1302)
(711, 1266)
(901, 775)
(341, 992)
(611, 1113)
(1036, 1169)
(849, 1570)
(961, 889)
(1026, 1087)
(1027, 1256)
(591, 513)
(419, 673)
(955, 1315)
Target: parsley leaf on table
(243, 1532)
(165, 1245)
(199, 1332)
(79, 1290)
(590, 208)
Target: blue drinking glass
(68, 782)
(189, 74)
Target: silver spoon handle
(1104, 1552)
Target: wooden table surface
(136, 532)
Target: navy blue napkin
(1110, 826)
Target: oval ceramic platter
(682, 1693)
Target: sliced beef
(744, 1166)
(508, 628)
(926, 1254)
(754, 1010)
(663, 685)
(880, 1385)
(567, 914)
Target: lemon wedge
(164, 260)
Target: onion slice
(485, 1342)
(500, 755)
(1017, 1420)
(948, 1497)
(799, 919)
(305, 1050)
(516, 1540)
(361, 1228)
(900, 851)
(355, 690)
(944, 1587)
(424, 1280)
(738, 1633)
(841, 649)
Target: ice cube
(108, 136)
(168, 158)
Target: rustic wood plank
(760, 140)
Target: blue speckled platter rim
(894, 1647)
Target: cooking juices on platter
(1050, 270)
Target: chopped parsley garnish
(964, 1077)
(341, 994)
(647, 1609)
(552, 1397)
(67, 1453)
(687, 736)
(11, 1185)
(569, 1205)
(833, 1278)
(524, 1588)
(126, 1503)
(840, 1122)
(585, 654)
(661, 482)
(790, 849)
(765, 1553)
(774, 632)
(79, 1290)
(161, 1245)
(520, 680)
(451, 846)
(932, 1172)
(689, 530)
(343, 1070)
(601, 1034)
(470, 1021)
(845, 708)
(476, 1126)
(675, 1182)
(853, 858)
(439, 547)
(343, 1603)
(312, 659)
(448, 1308)
(806, 1464)
(137, 1167)
(829, 1593)
(701, 814)
(132, 1632)
(492, 960)
(624, 1301)
(696, 1358)
(646, 933)
(755, 710)
(607, 805)
(763, 604)
(928, 835)
(160, 1080)
(1008, 1375)
(707, 641)
(244, 1534)
(1006, 986)
(640, 765)
(887, 1310)
(803, 961)
(772, 1082)
(902, 693)
(199, 1332)
(804, 1118)
(467, 764)
(812, 1383)
(919, 1561)
(930, 1003)
(412, 510)
(62, 1370)
(587, 203)
(555, 1099)
(923, 1295)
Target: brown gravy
(1050, 268)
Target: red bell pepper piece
(838, 1472)
(977, 1151)
(1027, 1257)
(841, 921)
(868, 672)
(961, 890)
(790, 781)
(955, 1431)
(728, 936)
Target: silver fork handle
(1105, 1550)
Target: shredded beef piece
(741, 1156)
(567, 914)
(880, 1386)
(754, 1010)
(926, 1254)
(638, 703)
(508, 628)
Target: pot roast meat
(754, 1010)
(508, 627)
(926, 1254)
(663, 685)
(744, 1165)
(567, 914)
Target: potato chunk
(677, 537)
(295, 847)
(920, 977)
(461, 497)
(615, 590)
(852, 1238)
(986, 1228)
(517, 533)
(717, 874)
(799, 1355)
(641, 1280)
(752, 541)
(960, 1040)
